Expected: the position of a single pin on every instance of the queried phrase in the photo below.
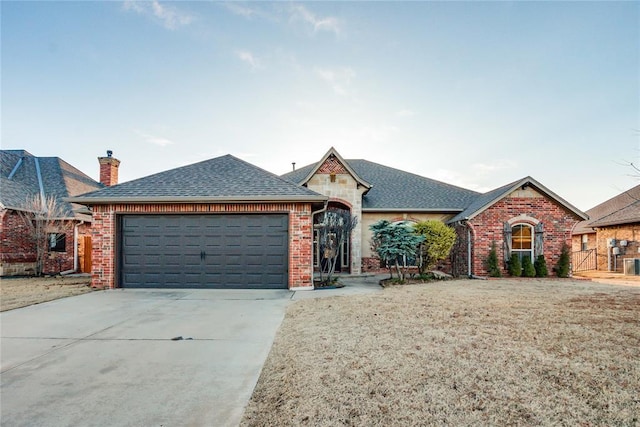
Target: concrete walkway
(608, 277)
(354, 285)
(109, 358)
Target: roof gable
(222, 179)
(486, 200)
(332, 162)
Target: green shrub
(541, 266)
(515, 268)
(528, 269)
(437, 241)
(492, 264)
(562, 268)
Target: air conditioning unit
(632, 267)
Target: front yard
(24, 291)
(497, 352)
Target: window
(585, 242)
(522, 241)
(57, 242)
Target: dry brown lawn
(497, 352)
(21, 292)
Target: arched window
(522, 241)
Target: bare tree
(334, 229)
(44, 219)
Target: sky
(475, 94)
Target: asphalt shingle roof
(621, 209)
(19, 180)
(396, 189)
(221, 178)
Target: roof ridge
(264, 170)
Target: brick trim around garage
(104, 232)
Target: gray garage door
(204, 251)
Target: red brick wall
(55, 262)
(17, 247)
(488, 227)
(104, 235)
(332, 166)
(15, 243)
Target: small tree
(541, 266)
(515, 267)
(42, 216)
(562, 268)
(527, 267)
(334, 229)
(394, 243)
(439, 238)
(492, 265)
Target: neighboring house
(24, 177)
(610, 235)
(226, 223)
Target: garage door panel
(154, 260)
(172, 259)
(212, 251)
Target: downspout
(469, 272)
(75, 246)
(313, 214)
(75, 250)
(40, 263)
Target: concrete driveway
(108, 359)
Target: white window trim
(532, 250)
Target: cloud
(300, 13)
(156, 140)
(169, 17)
(241, 10)
(339, 79)
(249, 58)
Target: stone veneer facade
(333, 180)
(104, 230)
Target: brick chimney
(109, 169)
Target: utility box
(632, 267)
